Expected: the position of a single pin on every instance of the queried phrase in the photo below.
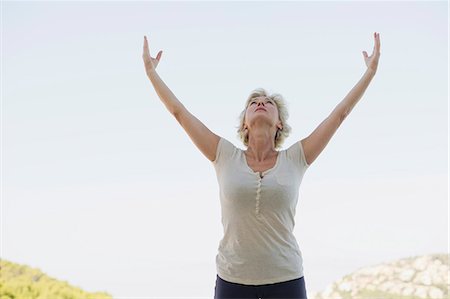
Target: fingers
(377, 38)
(376, 46)
(147, 51)
(378, 41)
(145, 43)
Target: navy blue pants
(294, 289)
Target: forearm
(355, 94)
(165, 94)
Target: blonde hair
(283, 115)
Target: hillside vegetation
(418, 277)
(23, 282)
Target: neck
(261, 144)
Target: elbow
(340, 113)
(344, 115)
(341, 119)
(176, 111)
(180, 113)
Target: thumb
(365, 54)
(159, 55)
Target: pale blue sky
(103, 188)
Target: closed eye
(268, 101)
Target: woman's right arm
(205, 140)
(164, 93)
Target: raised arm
(315, 143)
(205, 140)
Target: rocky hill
(23, 282)
(416, 277)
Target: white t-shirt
(258, 246)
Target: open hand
(150, 62)
(372, 60)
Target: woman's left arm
(314, 144)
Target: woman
(259, 256)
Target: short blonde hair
(283, 115)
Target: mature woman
(258, 255)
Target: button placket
(258, 196)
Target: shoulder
(296, 154)
(225, 150)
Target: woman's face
(261, 110)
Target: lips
(260, 108)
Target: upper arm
(205, 140)
(314, 144)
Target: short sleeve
(224, 152)
(296, 154)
